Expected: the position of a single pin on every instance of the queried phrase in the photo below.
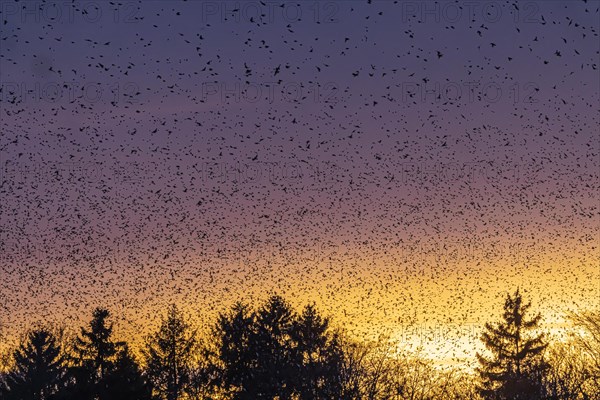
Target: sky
(402, 164)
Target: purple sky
(198, 151)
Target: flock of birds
(396, 166)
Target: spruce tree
(38, 368)
(125, 381)
(317, 355)
(516, 367)
(236, 358)
(95, 355)
(169, 355)
(275, 369)
(95, 349)
(274, 353)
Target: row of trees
(275, 353)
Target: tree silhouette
(318, 356)
(274, 372)
(125, 381)
(38, 370)
(568, 376)
(516, 367)
(169, 355)
(587, 340)
(235, 358)
(205, 375)
(95, 355)
(274, 353)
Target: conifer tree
(169, 355)
(274, 353)
(236, 358)
(95, 355)
(516, 368)
(38, 368)
(125, 381)
(275, 368)
(95, 348)
(318, 356)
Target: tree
(235, 358)
(125, 381)
(274, 353)
(318, 356)
(95, 349)
(353, 368)
(589, 338)
(587, 342)
(95, 356)
(367, 369)
(516, 368)
(38, 368)
(274, 370)
(169, 355)
(416, 377)
(205, 376)
(568, 375)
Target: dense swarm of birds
(400, 167)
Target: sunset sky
(401, 164)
